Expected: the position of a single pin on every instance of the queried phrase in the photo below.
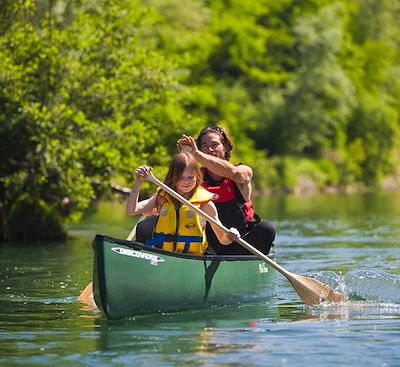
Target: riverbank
(307, 186)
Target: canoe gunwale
(207, 257)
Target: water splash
(371, 295)
(372, 285)
(331, 279)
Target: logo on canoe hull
(262, 268)
(154, 259)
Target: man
(231, 186)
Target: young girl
(178, 228)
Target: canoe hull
(131, 279)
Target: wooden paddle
(86, 296)
(311, 291)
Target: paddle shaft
(241, 241)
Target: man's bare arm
(241, 174)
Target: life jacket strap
(159, 238)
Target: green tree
(82, 102)
(309, 114)
(374, 126)
(91, 89)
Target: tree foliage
(91, 89)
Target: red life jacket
(233, 210)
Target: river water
(347, 241)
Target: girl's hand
(233, 234)
(142, 172)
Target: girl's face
(211, 144)
(187, 181)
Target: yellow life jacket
(179, 229)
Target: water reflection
(216, 333)
(353, 310)
(213, 330)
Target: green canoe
(131, 279)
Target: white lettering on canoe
(154, 259)
(263, 268)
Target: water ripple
(373, 285)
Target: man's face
(211, 144)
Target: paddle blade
(313, 292)
(86, 297)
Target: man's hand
(187, 144)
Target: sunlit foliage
(308, 89)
